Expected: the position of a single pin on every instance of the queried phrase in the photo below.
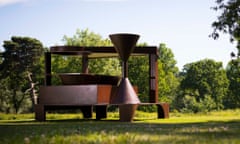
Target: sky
(183, 25)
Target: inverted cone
(125, 94)
(124, 44)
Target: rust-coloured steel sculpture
(85, 90)
(126, 96)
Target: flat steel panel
(104, 93)
(68, 95)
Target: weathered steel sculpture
(126, 96)
(87, 90)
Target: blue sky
(183, 25)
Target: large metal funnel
(124, 45)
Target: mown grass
(214, 127)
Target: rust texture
(84, 90)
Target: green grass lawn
(214, 127)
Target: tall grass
(213, 127)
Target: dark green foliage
(21, 57)
(5, 96)
(228, 20)
(99, 66)
(21, 53)
(233, 73)
(138, 75)
(204, 85)
(166, 57)
(168, 82)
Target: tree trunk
(33, 94)
(15, 102)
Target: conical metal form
(124, 45)
(125, 93)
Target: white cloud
(9, 2)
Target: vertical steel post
(153, 78)
(84, 64)
(86, 110)
(48, 66)
(124, 69)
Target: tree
(20, 57)
(205, 79)
(87, 38)
(166, 57)
(138, 75)
(233, 73)
(5, 97)
(167, 74)
(228, 21)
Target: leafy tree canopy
(86, 37)
(228, 21)
(20, 56)
(205, 78)
(167, 74)
(233, 73)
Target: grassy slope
(215, 127)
